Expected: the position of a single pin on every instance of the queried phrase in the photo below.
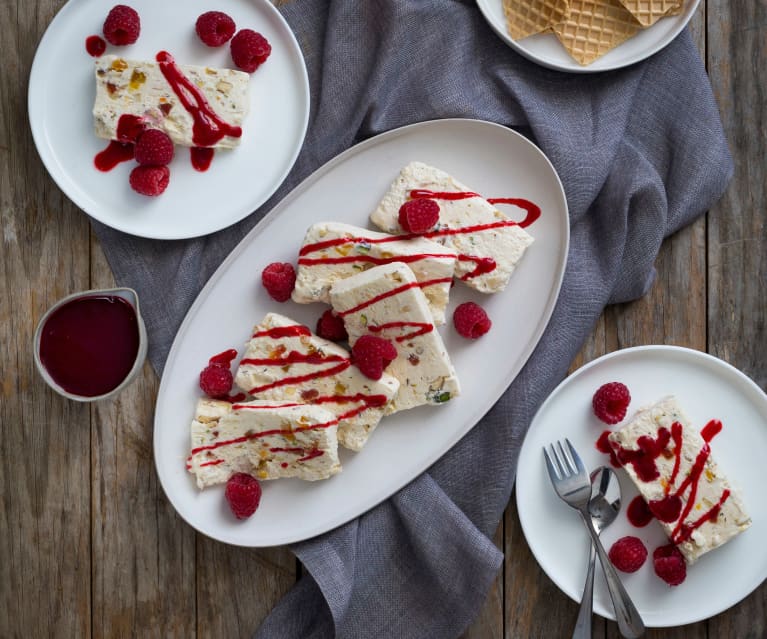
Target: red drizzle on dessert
(223, 359)
(129, 127)
(208, 127)
(201, 158)
(297, 330)
(391, 293)
(421, 329)
(671, 508)
(95, 45)
(638, 513)
(533, 210)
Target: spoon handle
(630, 624)
(583, 623)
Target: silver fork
(572, 484)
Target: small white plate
(62, 91)
(707, 388)
(491, 159)
(546, 49)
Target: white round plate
(707, 388)
(546, 50)
(62, 91)
(492, 160)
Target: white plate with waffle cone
(587, 36)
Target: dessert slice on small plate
(708, 389)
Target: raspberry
(471, 321)
(669, 564)
(628, 554)
(122, 25)
(418, 216)
(154, 148)
(372, 354)
(149, 180)
(216, 380)
(214, 28)
(243, 493)
(331, 327)
(278, 279)
(249, 50)
(610, 402)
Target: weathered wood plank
(143, 553)
(238, 587)
(44, 447)
(489, 623)
(737, 232)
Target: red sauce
(638, 513)
(533, 211)
(95, 45)
(223, 359)
(115, 153)
(129, 127)
(89, 345)
(422, 329)
(294, 357)
(208, 127)
(672, 508)
(201, 158)
(394, 291)
(285, 331)
(603, 446)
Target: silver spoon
(604, 505)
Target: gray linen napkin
(640, 152)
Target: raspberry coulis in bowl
(89, 345)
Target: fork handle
(582, 628)
(630, 623)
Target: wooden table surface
(90, 546)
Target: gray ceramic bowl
(130, 296)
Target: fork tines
(559, 463)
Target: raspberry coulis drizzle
(421, 329)
(483, 265)
(391, 293)
(129, 127)
(95, 45)
(670, 508)
(208, 127)
(201, 157)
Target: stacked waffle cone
(586, 28)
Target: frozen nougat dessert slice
(265, 439)
(285, 361)
(387, 301)
(333, 251)
(489, 244)
(671, 464)
(195, 106)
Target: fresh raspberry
(216, 380)
(122, 25)
(610, 402)
(471, 321)
(243, 492)
(669, 564)
(278, 279)
(372, 354)
(149, 180)
(249, 50)
(214, 28)
(628, 554)
(418, 216)
(331, 327)
(154, 148)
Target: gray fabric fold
(640, 152)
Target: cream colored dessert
(489, 243)
(139, 88)
(387, 301)
(325, 258)
(286, 361)
(264, 439)
(671, 465)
